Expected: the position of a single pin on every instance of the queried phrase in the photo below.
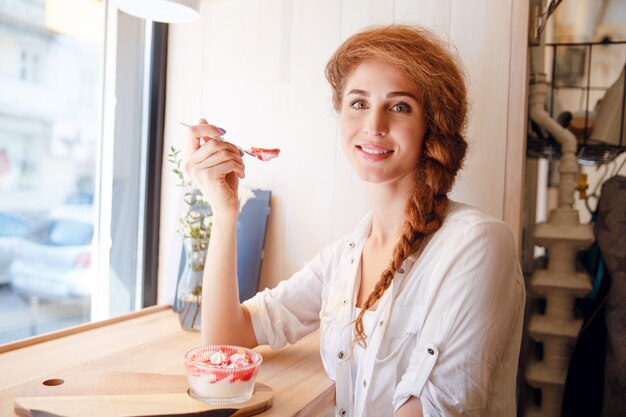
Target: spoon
(259, 153)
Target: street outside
(22, 317)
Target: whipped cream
(221, 359)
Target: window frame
(156, 129)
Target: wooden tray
(117, 394)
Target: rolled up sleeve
(422, 362)
(290, 311)
(478, 304)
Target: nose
(375, 123)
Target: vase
(189, 291)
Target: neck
(388, 203)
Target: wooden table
(152, 341)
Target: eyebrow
(393, 94)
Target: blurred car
(12, 227)
(54, 258)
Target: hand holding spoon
(259, 153)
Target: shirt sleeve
(477, 308)
(290, 311)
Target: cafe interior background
(91, 100)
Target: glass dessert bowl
(222, 374)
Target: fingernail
(222, 131)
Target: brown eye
(401, 108)
(358, 105)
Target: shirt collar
(362, 230)
(360, 233)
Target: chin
(377, 177)
(373, 177)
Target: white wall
(256, 69)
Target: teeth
(374, 151)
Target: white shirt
(448, 328)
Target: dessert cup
(221, 384)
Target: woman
(420, 308)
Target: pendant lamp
(166, 11)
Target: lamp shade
(167, 11)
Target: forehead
(378, 76)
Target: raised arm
(215, 169)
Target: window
(29, 66)
(63, 232)
(74, 176)
(12, 226)
(24, 66)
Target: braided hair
(439, 80)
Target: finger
(204, 139)
(205, 130)
(197, 132)
(219, 157)
(212, 148)
(220, 170)
(204, 159)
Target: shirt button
(401, 270)
(364, 383)
(342, 412)
(430, 351)
(345, 302)
(351, 261)
(340, 354)
(351, 244)
(380, 323)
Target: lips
(374, 152)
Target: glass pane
(51, 73)
(70, 233)
(11, 225)
(128, 168)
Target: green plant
(196, 222)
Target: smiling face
(381, 124)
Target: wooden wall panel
(310, 150)
(247, 91)
(432, 14)
(516, 120)
(357, 14)
(483, 43)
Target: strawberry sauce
(265, 154)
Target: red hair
(438, 78)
